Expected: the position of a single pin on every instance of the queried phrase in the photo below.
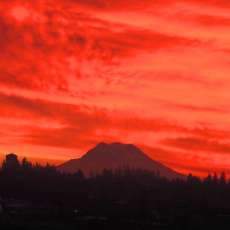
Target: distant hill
(116, 156)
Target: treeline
(129, 193)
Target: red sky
(154, 73)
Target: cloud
(198, 144)
(155, 73)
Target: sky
(153, 73)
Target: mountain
(116, 156)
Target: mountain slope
(116, 156)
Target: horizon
(55, 162)
(152, 73)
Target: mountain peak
(116, 155)
(113, 149)
(116, 145)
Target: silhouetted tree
(26, 164)
(223, 178)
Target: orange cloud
(154, 73)
(196, 144)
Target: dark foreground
(84, 223)
(35, 197)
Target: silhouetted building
(11, 162)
